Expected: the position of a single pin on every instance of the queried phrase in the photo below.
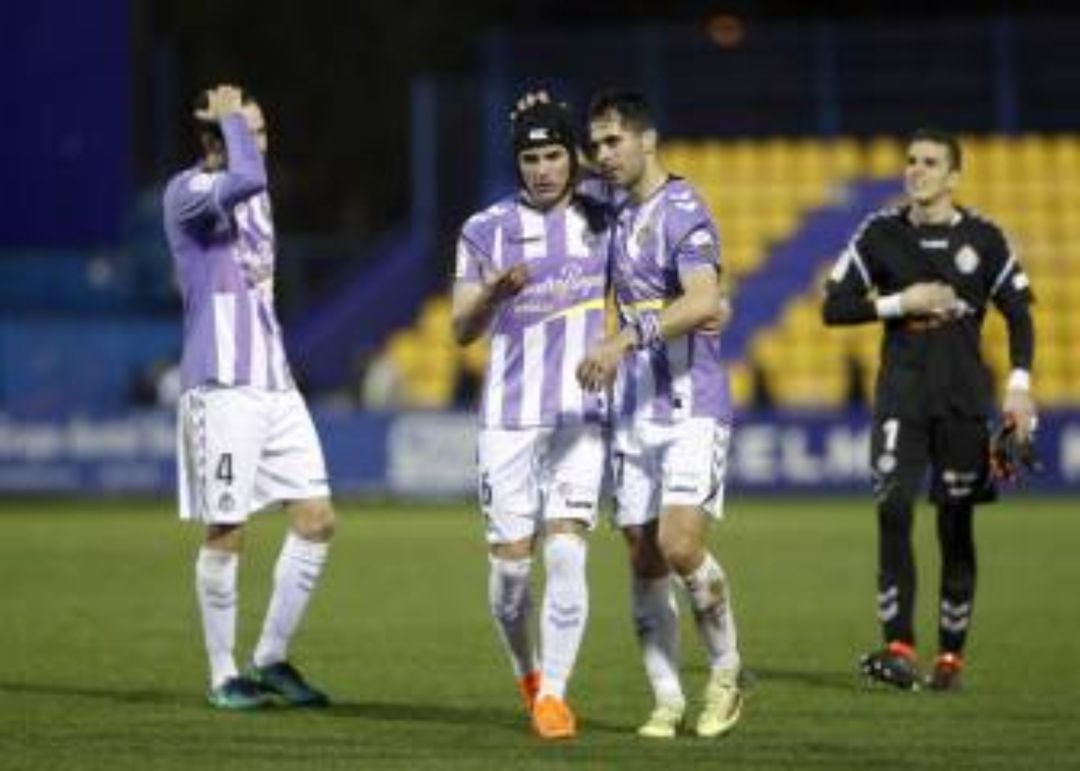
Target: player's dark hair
(631, 106)
(943, 138)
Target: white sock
(656, 621)
(510, 601)
(215, 586)
(710, 597)
(297, 572)
(566, 608)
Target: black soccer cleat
(947, 674)
(892, 665)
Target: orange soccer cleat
(947, 674)
(552, 719)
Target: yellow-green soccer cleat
(665, 721)
(723, 704)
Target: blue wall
(65, 134)
(59, 366)
(433, 453)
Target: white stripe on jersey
(259, 366)
(1003, 274)
(532, 374)
(639, 222)
(646, 384)
(577, 329)
(849, 258)
(497, 250)
(533, 235)
(461, 259)
(260, 213)
(280, 367)
(682, 384)
(495, 381)
(575, 236)
(225, 337)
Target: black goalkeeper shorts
(954, 449)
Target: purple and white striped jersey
(655, 244)
(221, 235)
(539, 337)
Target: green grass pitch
(101, 662)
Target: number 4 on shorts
(224, 470)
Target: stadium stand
(785, 208)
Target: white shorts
(240, 449)
(659, 465)
(530, 475)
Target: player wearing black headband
(532, 272)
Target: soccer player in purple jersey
(672, 410)
(531, 270)
(245, 438)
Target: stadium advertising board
(433, 453)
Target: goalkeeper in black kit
(928, 271)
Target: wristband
(1019, 380)
(889, 306)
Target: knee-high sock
(656, 622)
(298, 568)
(215, 586)
(896, 570)
(710, 598)
(958, 570)
(565, 610)
(510, 601)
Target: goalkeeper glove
(1010, 453)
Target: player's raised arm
(243, 129)
(232, 131)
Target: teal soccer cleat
(238, 693)
(283, 679)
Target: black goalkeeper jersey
(929, 370)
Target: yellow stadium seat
(884, 157)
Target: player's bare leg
(299, 566)
(656, 623)
(682, 537)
